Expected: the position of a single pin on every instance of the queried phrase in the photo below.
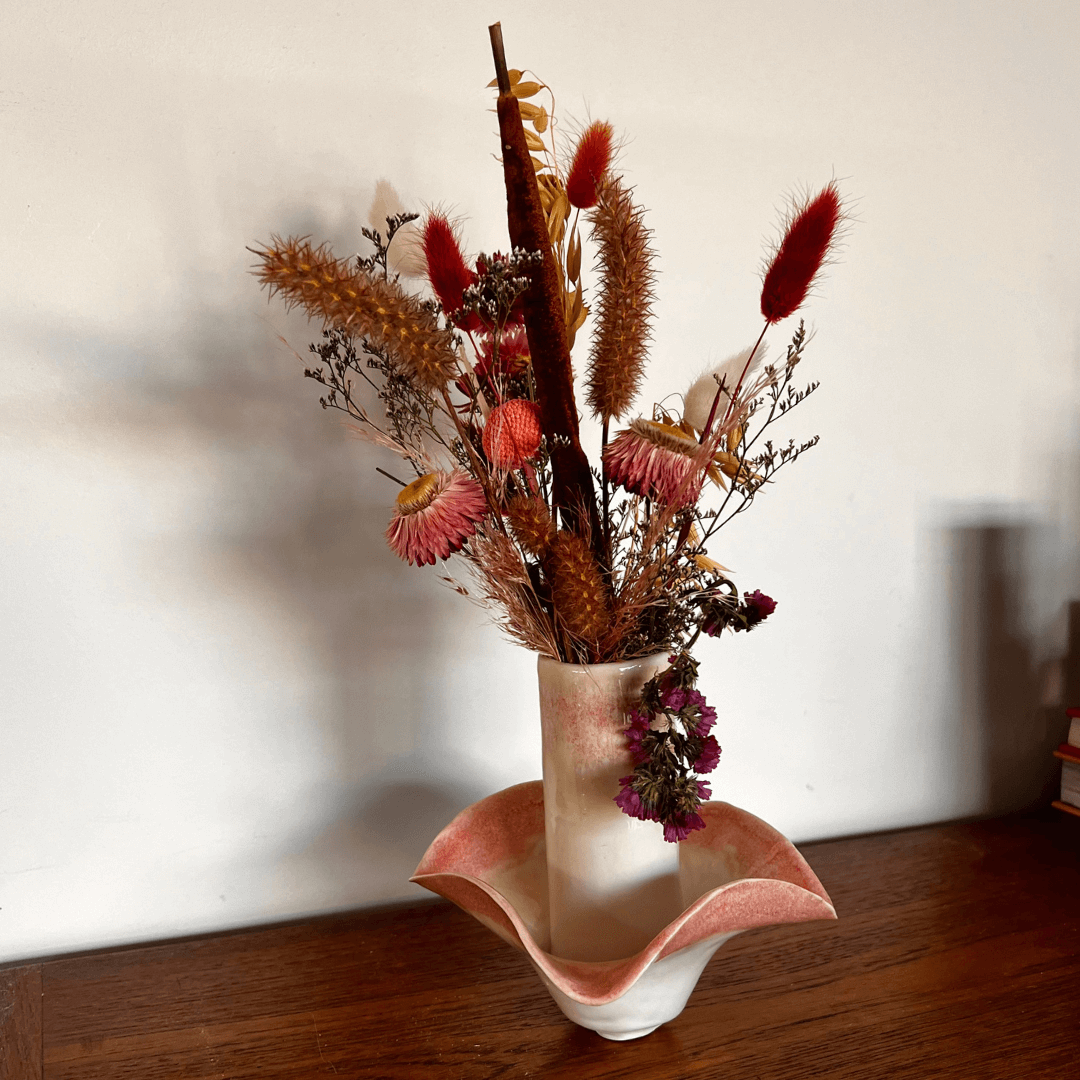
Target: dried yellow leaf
(515, 78)
(525, 89)
(555, 226)
(578, 305)
(541, 121)
(534, 142)
(560, 206)
(573, 257)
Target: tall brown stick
(545, 324)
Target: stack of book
(1069, 752)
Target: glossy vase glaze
(617, 922)
(613, 881)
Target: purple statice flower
(706, 713)
(630, 802)
(709, 757)
(674, 698)
(636, 731)
(681, 826)
(758, 607)
(704, 790)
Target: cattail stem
(499, 55)
(545, 321)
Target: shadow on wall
(1008, 729)
(290, 532)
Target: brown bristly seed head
(366, 305)
(577, 587)
(531, 524)
(624, 311)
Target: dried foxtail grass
(624, 311)
(530, 521)
(577, 587)
(366, 305)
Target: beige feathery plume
(624, 311)
(698, 400)
(577, 587)
(531, 524)
(406, 253)
(365, 304)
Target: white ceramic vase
(618, 923)
(613, 881)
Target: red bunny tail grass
(592, 159)
(447, 270)
(366, 305)
(617, 359)
(803, 250)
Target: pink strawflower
(435, 515)
(512, 434)
(681, 826)
(709, 757)
(656, 461)
(495, 376)
(704, 791)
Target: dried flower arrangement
(580, 565)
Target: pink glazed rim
(491, 838)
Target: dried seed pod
(364, 304)
(577, 587)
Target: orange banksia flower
(806, 243)
(435, 515)
(619, 350)
(367, 305)
(512, 434)
(577, 587)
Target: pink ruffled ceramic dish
(735, 874)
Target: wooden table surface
(956, 954)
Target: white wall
(223, 700)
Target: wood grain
(957, 953)
(20, 1023)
